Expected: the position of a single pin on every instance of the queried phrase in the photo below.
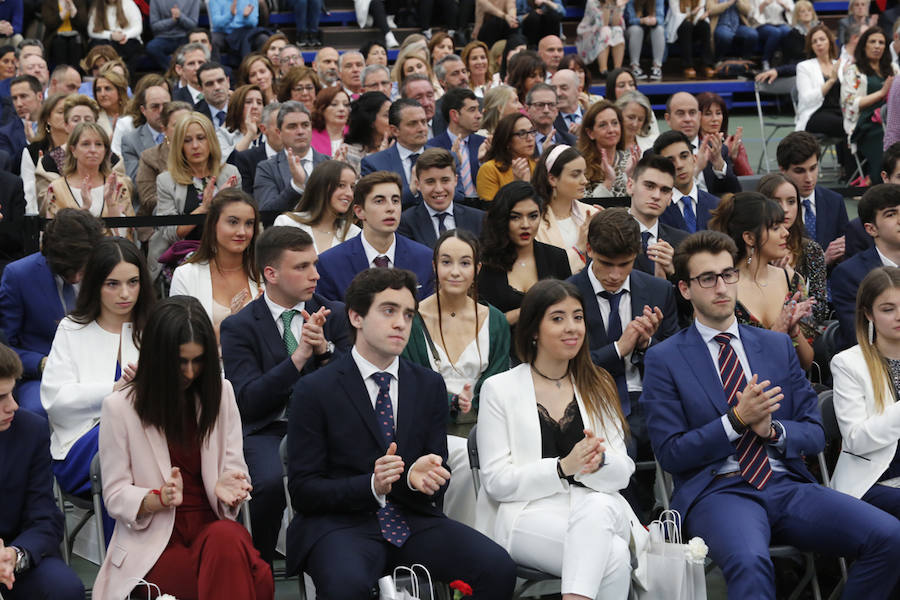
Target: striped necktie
(465, 169)
(751, 452)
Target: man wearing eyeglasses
(289, 56)
(541, 102)
(626, 311)
(732, 416)
(377, 78)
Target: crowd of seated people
(424, 245)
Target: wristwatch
(23, 561)
(329, 351)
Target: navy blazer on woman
(340, 264)
(706, 203)
(257, 363)
(416, 223)
(645, 290)
(334, 441)
(30, 310)
(683, 401)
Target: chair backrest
(829, 419)
(474, 464)
(96, 479)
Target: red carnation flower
(461, 589)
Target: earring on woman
(749, 255)
(534, 342)
(871, 332)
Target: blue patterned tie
(645, 241)
(690, 218)
(809, 219)
(751, 452)
(394, 527)
(220, 117)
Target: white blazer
(80, 372)
(869, 438)
(135, 459)
(513, 473)
(809, 91)
(195, 279)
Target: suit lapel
(358, 261)
(595, 324)
(283, 170)
(267, 329)
(423, 224)
(702, 367)
(355, 389)
(394, 155)
(160, 451)
(674, 216)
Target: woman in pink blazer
(331, 110)
(174, 475)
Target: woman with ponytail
(866, 384)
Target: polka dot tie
(394, 527)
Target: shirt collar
(811, 198)
(405, 152)
(367, 369)
(693, 194)
(708, 333)
(277, 309)
(654, 231)
(885, 261)
(598, 287)
(433, 212)
(372, 253)
(270, 151)
(578, 113)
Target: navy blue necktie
(441, 226)
(394, 527)
(614, 322)
(809, 219)
(690, 217)
(220, 117)
(645, 241)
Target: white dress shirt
(654, 230)
(885, 261)
(449, 221)
(405, 153)
(277, 310)
(632, 375)
(372, 253)
(812, 202)
(708, 334)
(679, 201)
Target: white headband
(554, 154)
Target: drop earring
(749, 255)
(871, 332)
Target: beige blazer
(59, 196)
(513, 473)
(869, 437)
(134, 459)
(549, 232)
(43, 178)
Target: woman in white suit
(222, 274)
(551, 443)
(818, 89)
(174, 475)
(193, 176)
(866, 383)
(93, 354)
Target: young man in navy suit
(280, 180)
(463, 115)
(732, 417)
(267, 348)
(31, 525)
(376, 203)
(410, 128)
(626, 311)
(367, 444)
(715, 173)
(435, 173)
(879, 212)
(37, 291)
(690, 206)
(823, 212)
(650, 188)
(856, 239)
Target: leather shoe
(709, 72)
(690, 73)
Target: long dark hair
(159, 400)
(708, 99)
(499, 151)
(497, 248)
(316, 198)
(540, 179)
(109, 252)
(796, 232)
(467, 238)
(522, 66)
(361, 123)
(596, 385)
(746, 212)
(208, 242)
(862, 62)
(611, 78)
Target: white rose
(697, 549)
(171, 597)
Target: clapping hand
(661, 253)
(7, 565)
(176, 12)
(172, 492)
(388, 470)
(85, 190)
(239, 300)
(232, 488)
(208, 192)
(298, 174)
(586, 456)
(464, 398)
(112, 196)
(427, 474)
(520, 168)
(756, 403)
(312, 333)
(793, 311)
(608, 170)
(127, 375)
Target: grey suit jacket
(272, 185)
(170, 199)
(133, 144)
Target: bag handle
(414, 580)
(150, 586)
(428, 574)
(670, 521)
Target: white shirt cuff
(729, 430)
(616, 346)
(299, 190)
(382, 500)
(718, 174)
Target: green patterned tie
(290, 342)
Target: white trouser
(580, 535)
(459, 499)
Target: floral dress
(795, 284)
(602, 27)
(617, 188)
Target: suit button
(712, 471)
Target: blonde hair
(177, 164)
(801, 4)
(405, 54)
(71, 163)
(119, 82)
(875, 283)
(495, 99)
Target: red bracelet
(159, 493)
